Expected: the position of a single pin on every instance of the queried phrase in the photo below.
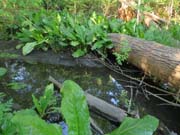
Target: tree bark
(154, 59)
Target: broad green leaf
(29, 47)
(74, 109)
(16, 85)
(78, 53)
(131, 126)
(3, 71)
(29, 123)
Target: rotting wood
(154, 59)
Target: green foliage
(28, 122)
(46, 102)
(12, 13)
(3, 71)
(162, 36)
(8, 55)
(16, 85)
(44, 30)
(74, 109)
(29, 47)
(6, 126)
(123, 54)
(175, 31)
(144, 126)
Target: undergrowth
(53, 25)
(75, 112)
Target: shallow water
(93, 80)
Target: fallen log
(154, 59)
(99, 106)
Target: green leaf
(37, 104)
(29, 47)
(74, 109)
(81, 33)
(98, 45)
(78, 53)
(74, 43)
(16, 85)
(45, 101)
(28, 123)
(131, 126)
(3, 71)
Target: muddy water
(94, 80)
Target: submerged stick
(96, 127)
(99, 106)
(105, 109)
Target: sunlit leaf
(29, 47)
(74, 43)
(29, 123)
(78, 53)
(74, 109)
(131, 126)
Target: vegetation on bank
(53, 25)
(73, 25)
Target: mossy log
(154, 59)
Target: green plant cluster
(57, 31)
(74, 109)
(61, 30)
(45, 27)
(12, 12)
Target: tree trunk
(154, 59)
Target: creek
(93, 79)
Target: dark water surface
(94, 80)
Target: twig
(137, 80)
(165, 100)
(130, 101)
(51, 79)
(142, 80)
